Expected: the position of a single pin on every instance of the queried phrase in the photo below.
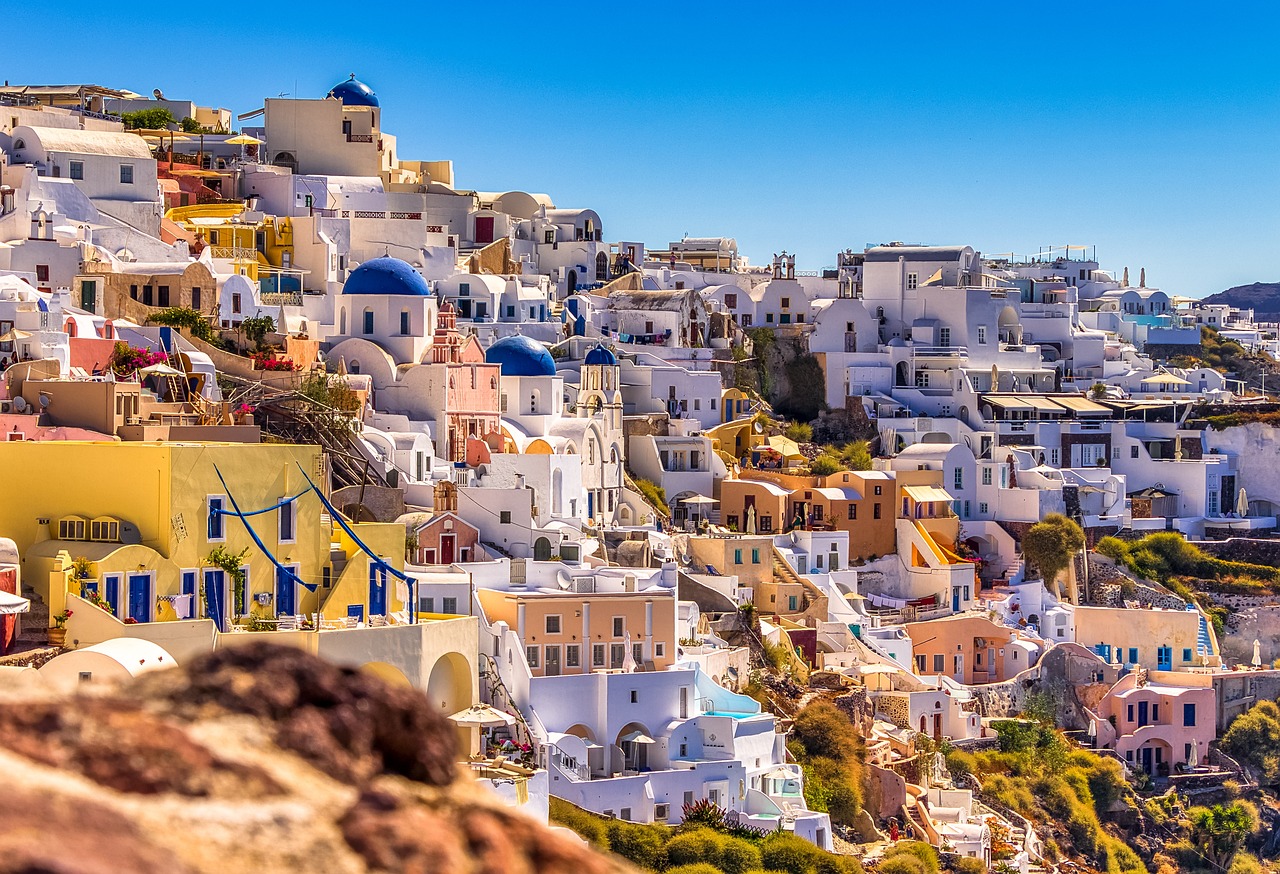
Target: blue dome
(386, 276)
(602, 355)
(353, 92)
(521, 356)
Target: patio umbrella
(1242, 504)
(698, 499)
(1193, 757)
(160, 370)
(637, 737)
(751, 519)
(482, 716)
(13, 334)
(243, 140)
(1165, 379)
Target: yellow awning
(926, 494)
(1081, 405)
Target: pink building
(469, 407)
(1156, 726)
(446, 537)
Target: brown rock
(343, 721)
(42, 833)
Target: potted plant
(58, 634)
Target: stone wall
(378, 503)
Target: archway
(542, 549)
(449, 690)
(389, 674)
(903, 375)
(631, 748)
(572, 283)
(602, 267)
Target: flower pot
(57, 637)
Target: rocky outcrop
(255, 759)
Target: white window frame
(913, 281)
(559, 623)
(222, 519)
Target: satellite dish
(157, 94)
(758, 428)
(44, 401)
(564, 580)
(20, 404)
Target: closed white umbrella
(751, 519)
(1193, 758)
(1257, 653)
(628, 658)
(1242, 504)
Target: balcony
(939, 352)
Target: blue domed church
(386, 302)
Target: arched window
(368, 320)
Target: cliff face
(1262, 297)
(255, 759)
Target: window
(368, 321)
(982, 335)
(449, 605)
(635, 697)
(619, 626)
(768, 317)
(1133, 451)
(875, 511)
(1054, 457)
(126, 174)
(215, 529)
(464, 289)
(133, 292)
(1133, 655)
(944, 336)
(195, 298)
(939, 663)
(986, 475)
(553, 625)
(531, 654)
(504, 517)
(549, 237)
(958, 477)
(597, 655)
(243, 593)
(755, 556)
(982, 508)
(1189, 714)
(786, 303)
(617, 655)
(922, 379)
(659, 650)
(573, 656)
(428, 605)
(737, 556)
(1186, 655)
(147, 297)
(404, 322)
(286, 522)
(913, 280)
(730, 300)
(77, 169)
(878, 488)
(853, 511)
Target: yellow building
(258, 243)
(138, 528)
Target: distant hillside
(1261, 297)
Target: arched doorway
(602, 267)
(572, 283)
(903, 377)
(631, 748)
(449, 690)
(389, 674)
(542, 549)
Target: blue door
(215, 597)
(140, 597)
(356, 612)
(377, 591)
(955, 599)
(286, 603)
(112, 597)
(1164, 658)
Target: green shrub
(655, 494)
(642, 845)
(902, 864)
(695, 868)
(185, 317)
(799, 432)
(925, 854)
(698, 845)
(960, 763)
(587, 825)
(970, 865)
(825, 465)
(784, 851)
(738, 856)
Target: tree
(1221, 830)
(156, 118)
(1254, 738)
(1050, 545)
(257, 328)
(190, 125)
(799, 432)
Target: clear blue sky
(1147, 129)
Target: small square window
(635, 697)
(504, 516)
(126, 174)
(531, 653)
(553, 625)
(77, 169)
(619, 626)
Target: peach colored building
(859, 502)
(468, 405)
(576, 633)
(970, 649)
